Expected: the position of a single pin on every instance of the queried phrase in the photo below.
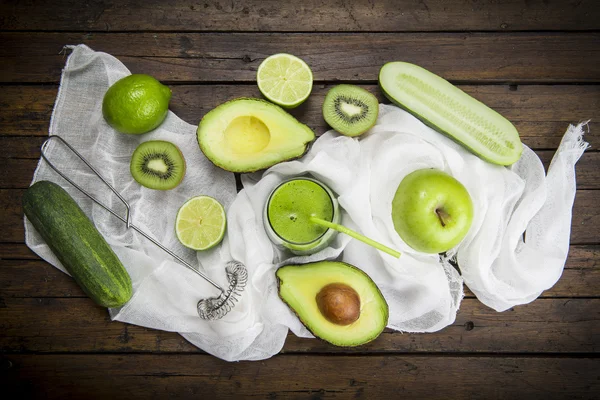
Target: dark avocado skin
(310, 330)
(433, 126)
(307, 145)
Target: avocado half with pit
(246, 135)
(337, 302)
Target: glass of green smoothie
(288, 212)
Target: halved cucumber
(446, 108)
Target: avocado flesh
(246, 135)
(300, 284)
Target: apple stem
(355, 235)
(442, 215)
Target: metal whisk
(211, 308)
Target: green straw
(355, 235)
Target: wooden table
(536, 62)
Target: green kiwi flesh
(451, 111)
(157, 164)
(350, 110)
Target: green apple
(432, 211)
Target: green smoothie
(288, 213)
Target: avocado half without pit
(246, 135)
(336, 301)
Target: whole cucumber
(78, 245)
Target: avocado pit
(339, 303)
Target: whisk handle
(175, 256)
(127, 219)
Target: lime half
(201, 223)
(284, 79)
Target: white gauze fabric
(423, 291)
(496, 264)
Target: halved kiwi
(350, 110)
(157, 164)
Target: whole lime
(136, 104)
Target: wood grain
(234, 57)
(541, 113)
(76, 325)
(32, 277)
(585, 225)
(16, 251)
(21, 170)
(308, 15)
(298, 376)
(536, 62)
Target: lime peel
(136, 104)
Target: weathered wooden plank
(21, 170)
(32, 277)
(12, 216)
(308, 15)
(297, 376)
(581, 274)
(540, 113)
(77, 325)
(585, 225)
(216, 57)
(26, 110)
(16, 251)
(65, 325)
